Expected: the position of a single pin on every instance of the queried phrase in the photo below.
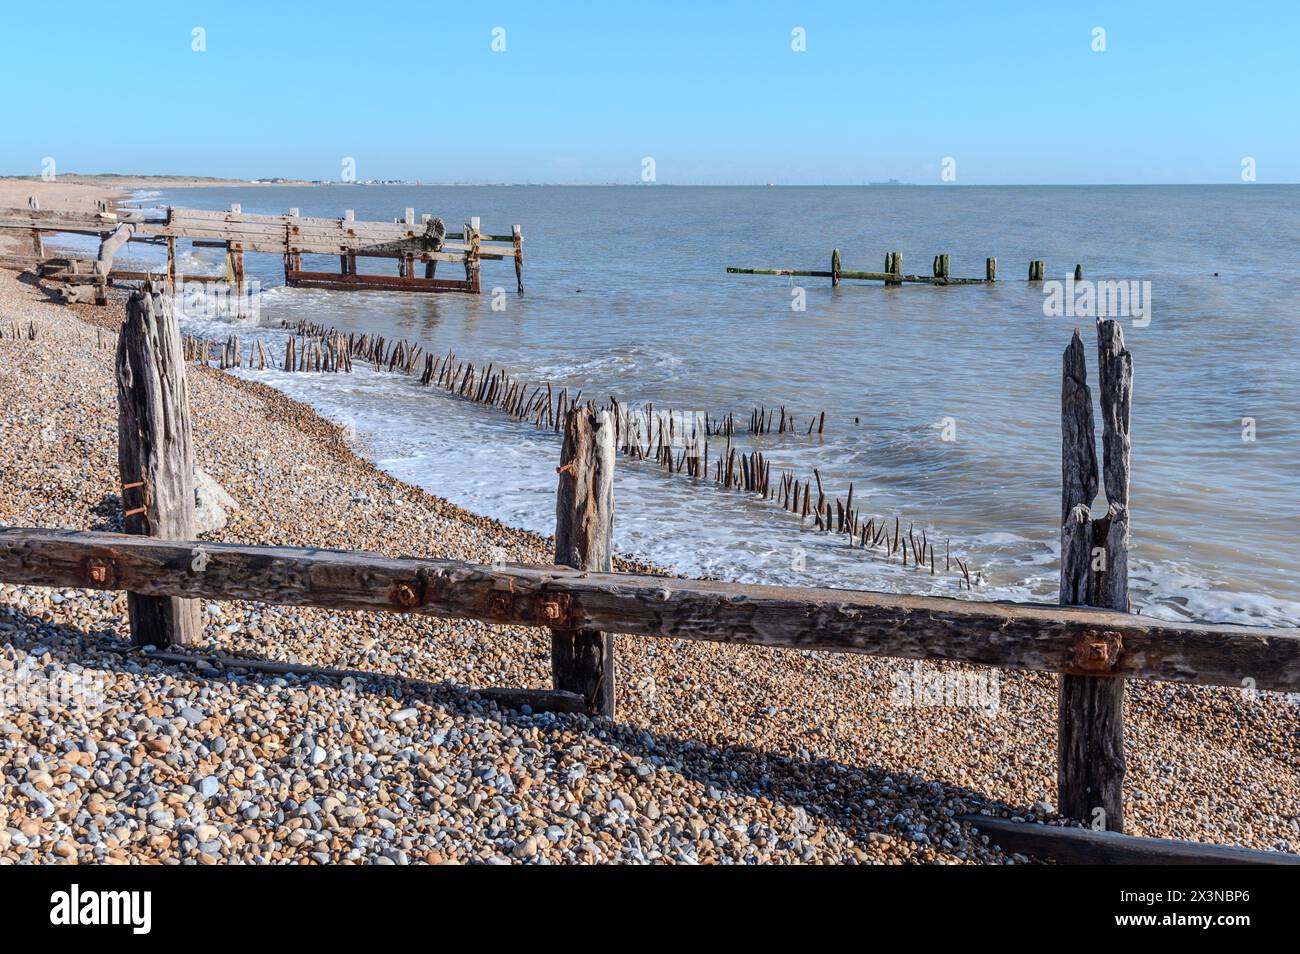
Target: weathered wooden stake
(1094, 572)
(473, 239)
(582, 660)
(894, 265)
(155, 457)
(990, 269)
(835, 267)
(38, 245)
(518, 236)
(1078, 273)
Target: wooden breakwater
(406, 241)
(677, 442)
(893, 273)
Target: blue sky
(714, 92)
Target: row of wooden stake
(676, 442)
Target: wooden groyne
(409, 242)
(893, 273)
(676, 442)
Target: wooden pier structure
(407, 241)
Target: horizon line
(287, 181)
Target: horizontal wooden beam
(1009, 635)
(1088, 847)
(259, 233)
(355, 282)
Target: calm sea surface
(627, 295)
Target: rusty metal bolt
(500, 606)
(551, 611)
(98, 573)
(1096, 651)
(405, 595)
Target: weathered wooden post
(472, 261)
(990, 269)
(155, 456)
(941, 264)
(1037, 270)
(582, 661)
(835, 267)
(517, 234)
(349, 215)
(38, 245)
(1094, 572)
(894, 265)
(1078, 273)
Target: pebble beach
(719, 754)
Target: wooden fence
(1090, 640)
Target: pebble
(719, 764)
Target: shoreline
(826, 768)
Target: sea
(942, 404)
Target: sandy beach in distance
(54, 194)
(720, 754)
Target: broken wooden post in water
(990, 270)
(582, 660)
(517, 237)
(1094, 572)
(155, 457)
(1037, 270)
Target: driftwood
(582, 659)
(155, 455)
(1088, 847)
(109, 247)
(1094, 572)
(1010, 635)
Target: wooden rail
(292, 235)
(1008, 635)
(1083, 846)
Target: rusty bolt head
(99, 572)
(551, 610)
(1096, 651)
(500, 605)
(405, 595)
